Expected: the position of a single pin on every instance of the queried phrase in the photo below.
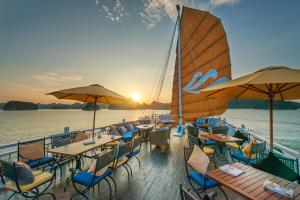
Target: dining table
(145, 130)
(77, 149)
(221, 140)
(249, 184)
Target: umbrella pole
(271, 123)
(94, 118)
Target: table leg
(222, 153)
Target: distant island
(262, 104)
(19, 105)
(233, 104)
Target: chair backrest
(192, 130)
(137, 144)
(187, 152)
(220, 130)
(31, 150)
(194, 141)
(257, 148)
(201, 120)
(104, 160)
(186, 195)
(212, 121)
(123, 149)
(79, 136)
(159, 136)
(60, 140)
(8, 170)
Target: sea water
(24, 125)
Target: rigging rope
(165, 66)
(161, 74)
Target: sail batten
(205, 60)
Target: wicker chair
(160, 137)
(42, 181)
(88, 180)
(201, 180)
(34, 154)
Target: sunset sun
(136, 96)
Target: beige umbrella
(276, 82)
(91, 94)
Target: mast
(180, 129)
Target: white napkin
(231, 170)
(278, 189)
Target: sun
(136, 96)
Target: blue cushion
(134, 153)
(212, 121)
(25, 175)
(201, 120)
(199, 179)
(86, 178)
(39, 162)
(240, 156)
(209, 142)
(127, 136)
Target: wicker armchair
(160, 137)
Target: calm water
(23, 125)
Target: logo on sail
(199, 79)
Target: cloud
(54, 78)
(114, 13)
(155, 10)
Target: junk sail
(204, 61)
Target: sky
(57, 44)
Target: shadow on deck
(157, 179)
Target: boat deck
(158, 178)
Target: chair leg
(82, 193)
(138, 161)
(47, 193)
(127, 172)
(110, 195)
(79, 194)
(113, 182)
(223, 193)
(129, 169)
(12, 195)
(194, 189)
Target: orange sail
(204, 61)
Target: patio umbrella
(271, 83)
(91, 94)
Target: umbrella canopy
(90, 94)
(94, 93)
(276, 82)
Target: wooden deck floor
(157, 179)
